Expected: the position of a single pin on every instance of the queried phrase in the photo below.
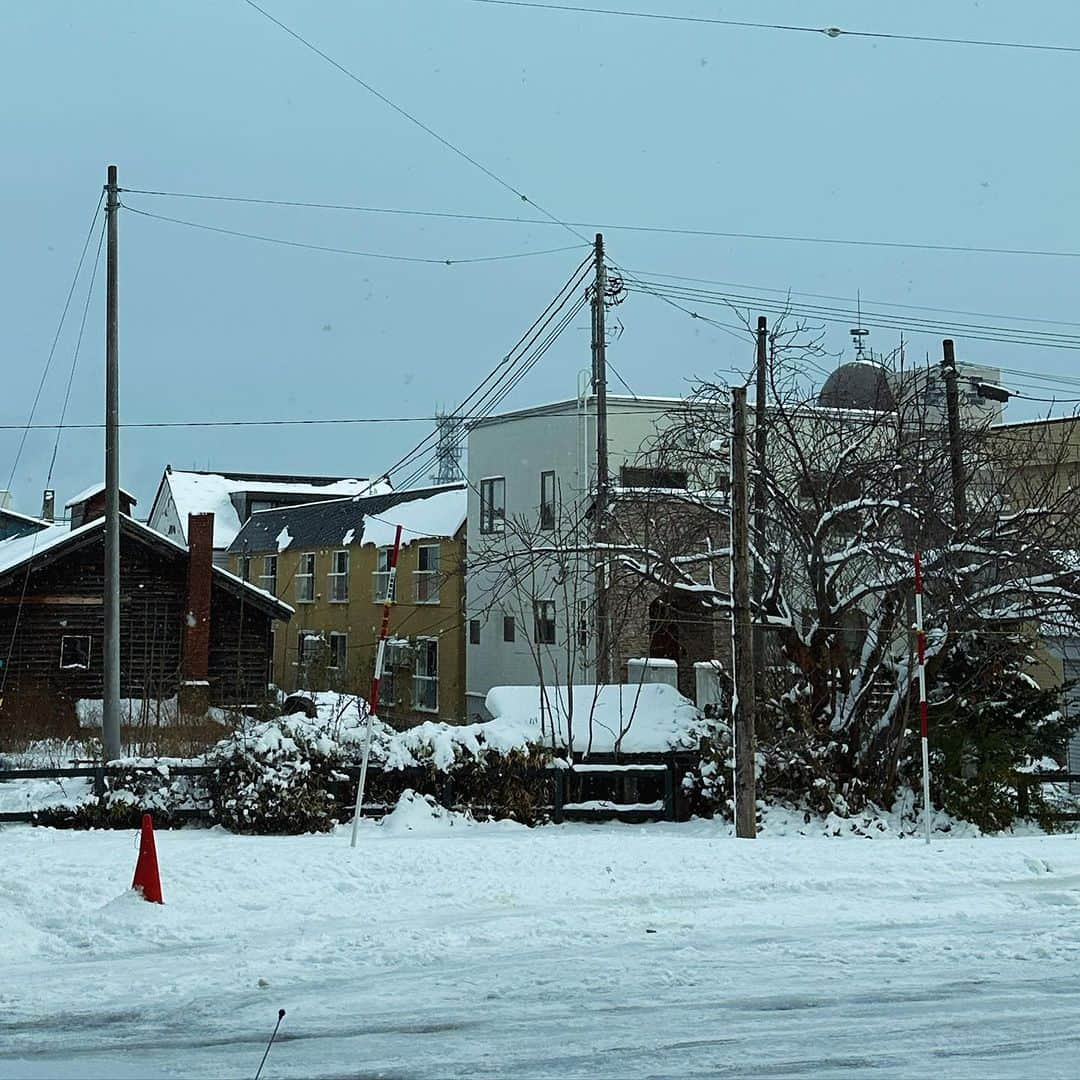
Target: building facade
(331, 560)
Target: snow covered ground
(444, 949)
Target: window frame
(89, 639)
(331, 663)
(426, 579)
(309, 578)
(492, 518)
(338, 580)
(426, 679)
(544, 616)
(380, 576)
(264, 577)
(303, 635)
(547, 501)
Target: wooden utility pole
(956, 450)
(743, 702)
(759, 503)
(110, 713)
(603, 480)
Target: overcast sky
(601, 120)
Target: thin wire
(881, 303)
(616, 227)
(347, 251)
(414, 120)
(827, 31)
(75, 357)
(55, 340)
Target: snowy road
(660, 951)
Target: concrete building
(530, 591)
(330, 560)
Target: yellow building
(330, 560)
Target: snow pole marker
(373, 704)
(920, 644)
(273, 1035)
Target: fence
(606, 791)
(1026, 781)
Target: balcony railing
(426, 586)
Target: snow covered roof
(423, 513)
(50, 542)
(631, 719)
(211, 493)
(96, 489)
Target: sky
(600, 120)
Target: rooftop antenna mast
(858, 333)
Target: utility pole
(759, 503)
(603, 480)
(743, 702)
(110, 713)
(956, 450)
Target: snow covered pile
(634, 719)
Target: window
(308, 643)
(172, 530)
(258, 505)
(75, 653)
(380, 580)
(631, 476)
(339, 652)
(426, 677)
(492, 504)
(339, 577)
(544, 617)
(426, 574)
(474, 631)
(393, 659)
(547, 500)
(583, 625)
(268, 577)
(305, 578)
(508, 628)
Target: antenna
(448, 449)
(859, 332)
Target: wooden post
(110, 706)
(743, 704)
(956, 450)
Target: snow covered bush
(276, 776)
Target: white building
(532, 473)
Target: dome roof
(858, 385)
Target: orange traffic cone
(146, 869)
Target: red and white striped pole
(920, 645)
(373, 703)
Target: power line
(414, 120)
(1002, 334)
(881, 303)
(665, 230)
(348, 251)
(28, 426)
(826, 31)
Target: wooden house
(184, 623)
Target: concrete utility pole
(603, 480)
(956, 450)
(110, 713)
(759, 501)
(743, 704)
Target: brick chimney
(195, 689)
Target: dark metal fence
(601, 791)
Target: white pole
(373, 704)
(920, 640)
